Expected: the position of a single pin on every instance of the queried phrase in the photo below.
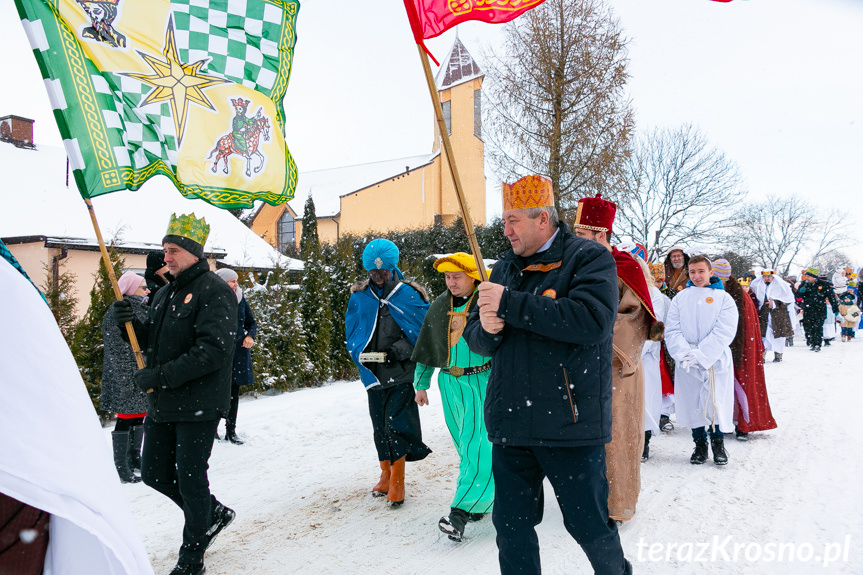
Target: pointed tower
(459, 83)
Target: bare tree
(830, 262)
(779, 231)
(557, 103)
(678, 189)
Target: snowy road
(789, 501)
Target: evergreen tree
(339, 258)
(314, 300)
(60, 295)
(87, 343)
(279, 356)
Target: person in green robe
(241, 125)
(463, 377)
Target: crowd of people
(561, 365)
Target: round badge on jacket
(188, 298)
(550, 293)
(709, 300)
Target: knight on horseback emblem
(244, 138)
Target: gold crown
(528, 192)
(744, 281)
(188, 226)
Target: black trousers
(577, 475)
(174, 463)
(396, 422)
(813, 325)
(231, 421)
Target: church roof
(459, 67)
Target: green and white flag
(191, 89)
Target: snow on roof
(329, 185)
(458, 68)
(37, 202)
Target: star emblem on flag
(176, 82)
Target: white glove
(688, 361)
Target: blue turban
(381, 254)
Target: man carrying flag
(189, 337)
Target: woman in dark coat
(247, 329)
(119, 393)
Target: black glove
(400, 351)
(148, 379)
(122, 312)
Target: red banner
(430, 18)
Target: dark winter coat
(119, 394)
(550, 382)
(189, 338)
(246, 325)
(370, 325)
(814, 297)
(780, 320)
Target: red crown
(595, 214)
(240, 102)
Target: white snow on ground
(301, 488)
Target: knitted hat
(457, 262)
(722, 269)
(595, 214)
(155, 260)
(810, 271)
(188, 232)
(129, 283)
(528, 192)
(227, 274)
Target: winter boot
(827, 342)
(220, 517)
(136, 437)
(120, 439)
(231, 435)
(699, 456)
(777, 357)
(646, 453)
(188, 569)
(665, 423)
(741, 435)
(383, 485)
(720, 457)
(396, 492)
(474, 517)
(453, 524)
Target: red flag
(430, 18)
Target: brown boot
(396, 493)
(383, 485)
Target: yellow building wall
(469, 155)
(266, 223)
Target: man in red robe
(751, 404)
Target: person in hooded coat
(157, 274)
(816, 296)
(775, 309)
(383, 320)
(119, 393)
(676, 270)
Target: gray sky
(775, 84)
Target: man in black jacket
(188, 343)
(814, 294)
(546, 317)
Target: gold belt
(457, 371)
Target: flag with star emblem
(190, 89)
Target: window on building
(446, 116)
(287, 230)
(477, 113)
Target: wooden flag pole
(133, 340)
(450, 156)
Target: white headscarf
(777, 290)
